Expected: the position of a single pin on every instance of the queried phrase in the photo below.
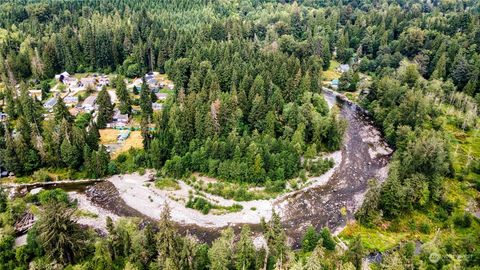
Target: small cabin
(49, 104)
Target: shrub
(310, 239)
(54, 195)
(122, 158)
(167, 183)
(425, 228)
(41, 176)
(200, 204)
(463, 220)
(327, 238)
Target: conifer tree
(125, 102)
(145, 101)
(61, 112)
(244, 250)
(105, 108)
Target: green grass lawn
(332, 72)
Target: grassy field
(332, 72)
(134, 141)
(109, 136)
(428, 225)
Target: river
(331, 202)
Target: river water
(365, 155)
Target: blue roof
(335, 81)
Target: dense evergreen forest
(247, 108)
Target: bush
(463, 220)
(41, 176)
(235, 208)
(327, 238)
(54, 195)
(122, 158)
(200, 204)
(319, 167)
(425, 228)
(167, 183)
(310, 239)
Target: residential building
(62, 76)
(36, 94)
(161, 96)
(70, 100)
(344, 68)
(89, 103)
(70, 81)
(157, 106)
(113, 96)
(88, 82)
(50, 103)
(103, 81)
(119, 117)
(3, 116)
(74, 111)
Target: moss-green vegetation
(203, 205)
(166, 183)
(234, 191)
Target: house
(157, 106)
(335, 83)
(3, 116)
(50, 103)
(60, 77)
(103, 81)
(149, 76)
(74, 111)
(170, 86)
(119, 117)
(3, 171)
(87, 82)
(152, 83)
(344, 68)
(161, 96)
(89, 103)
(70, 100)
(70, 81)
(36, 94)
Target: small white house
(3, 117)
(119, 117)
(89, 103)
(157, 106)
(161, 96)
(344, 68)
(62, 76)
(113, 96)
(70, 100)
(87, 82)
(49, 104)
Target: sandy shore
(99, 222)
(142, 196)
